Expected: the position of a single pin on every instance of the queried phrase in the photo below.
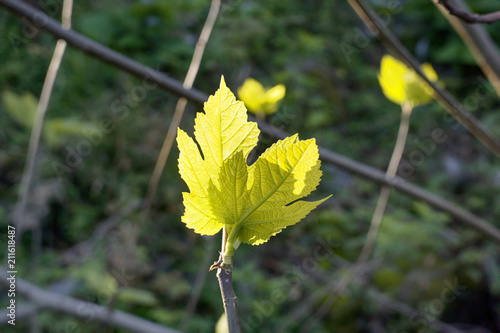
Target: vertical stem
(180, 107)
(225, 277)
(376, 221)
(385, 191)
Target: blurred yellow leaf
(258, 99)
(401, 84)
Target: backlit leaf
(401, 84)
(253, 202)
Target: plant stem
(397, 153)
(225, 277)
(376, 221)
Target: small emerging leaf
(258, 99)
(401, 84)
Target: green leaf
(22, 108)
(57, 131)
(223, 129)
(258, 201)
(137, 296)
(253, 202)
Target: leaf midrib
(242, 220)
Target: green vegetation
(105, 128)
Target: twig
(376, 221)
(397, 306)
(116, 59)
(466, 16)
(84, 310)
(34, 145)
(479, 42)
(181, 106)
(385, 190)
(81, 251)
(41, 110)
(225, 277)
(398, 183)
(373, 20)
(28, 309)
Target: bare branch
(479, 42)
(41, 110)
(450, 104)
(383, 198)
(165, 82)
(84, 310)
(467, 16)
(225, 277)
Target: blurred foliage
(104, 130)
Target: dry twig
(450, 104)
(467, 16)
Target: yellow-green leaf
(224, 129)
(253, 202)
(401, 84)
(221, 131)
(287, 171)
(259, 99)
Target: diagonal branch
(165, 82)
(467, 16)
(181, 106)
(480, 44)
(374, 21)
(84, 310)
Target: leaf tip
(222, 82)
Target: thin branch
(84, 310)
(467, 16)
(375, 223)
(165, 82)
(225, 277)
(385, 190)
(181, 105)
(479, 42)
(301, 311)
(34, 145)
(41, 110)
(82, 251)
(450, 104)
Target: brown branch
(225, 277)
(449, 103)
(165, 82)
(479, 42)
(36, 131)
(85, 310)
(467, 16)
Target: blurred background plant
(328, 62)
